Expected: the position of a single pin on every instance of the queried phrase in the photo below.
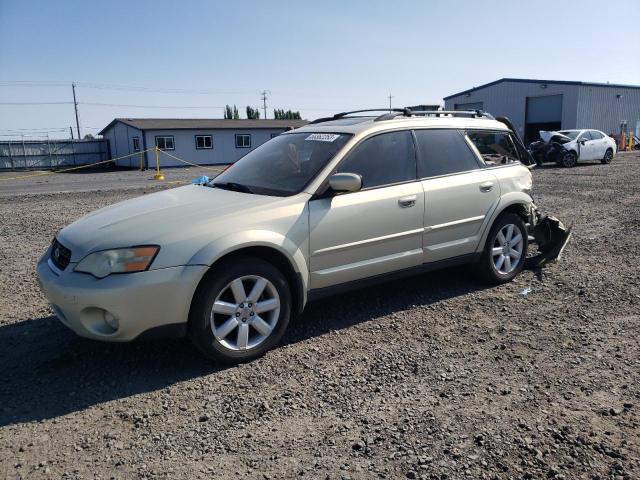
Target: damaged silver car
(341, 203)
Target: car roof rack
(392, 113)
(337, 116)
(454, 113)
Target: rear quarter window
(496, 148)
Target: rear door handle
(406, 202)
(486, 186)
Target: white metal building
(200, 141)
(534, 105)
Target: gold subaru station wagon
(340, 203)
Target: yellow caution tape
(51, 172)
(190, 163)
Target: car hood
(554, 137)
(195, 213)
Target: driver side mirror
(582, 141)
(345, 182)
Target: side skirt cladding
(319, 293)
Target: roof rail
(401, 111)
(454, 113)
(392, 113)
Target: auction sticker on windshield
(322, 137)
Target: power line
(140, 88)
(33, 83)
(147, 106)
(35, 103)
(162, 90)
(98, 104)
(133, 88)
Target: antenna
(390, 97)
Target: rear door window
(496, 148)
(595, 135)
(383, 160)
(443, 152)
(585, 136)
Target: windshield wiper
(233, 186)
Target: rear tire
(240, 310)
(505, 250)
(608, 156)
(569, 160)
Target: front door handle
(486, 186)
(406, 202)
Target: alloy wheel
(507, 249)
(570, 160)
(245, 313)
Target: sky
(138, 59)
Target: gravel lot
(436, 376)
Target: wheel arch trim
(257, 243)
(512, 201)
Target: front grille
(60, 255)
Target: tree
(228, 113)
(253, 113)
(280, 114)
(88, 136)
(236, 115)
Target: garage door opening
(543, 113)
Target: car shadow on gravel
(48, 371)
(352, 308)
(581, 164)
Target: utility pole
(75, 104)
(71, 130)
(263, 96)
(390, 97)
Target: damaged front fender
(550, 234)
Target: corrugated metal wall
(602, 109)
(45, 154)
(597, 107)
(509, 99)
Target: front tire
(505, 249)
(608, 156)
(240, 310)
(569, 160)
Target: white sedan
(588, 145)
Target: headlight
(119, 260)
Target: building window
(165, 143)
(136, 144)
(243, 140)
(274, 135)
(203, 142)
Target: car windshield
(282, 166)
(572, 134)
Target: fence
(49, 154)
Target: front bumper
(551, 236)
(139, 301)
